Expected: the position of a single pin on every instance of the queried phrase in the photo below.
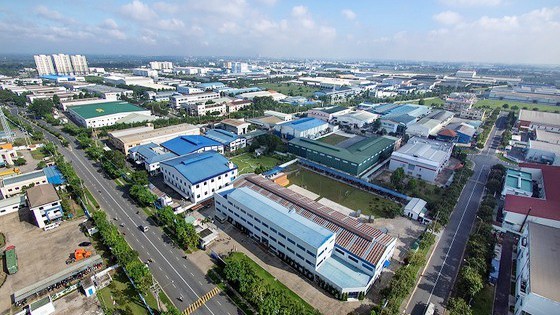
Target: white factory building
(422, 158)
(178, 101)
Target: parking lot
(40, 254)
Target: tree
(376, 124)
(171, 310)
(142, 195)
(20, 161)
(139, 177)
(421, 101)
(411, 185)
(458, 306)
(41, 107)
(493, 186)
(397, 177)
(56, 100)
(471, 281)
(505, 105)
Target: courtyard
(247, 163)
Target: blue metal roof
(306, 230)
(54, 176)
(198, 167)
(342, 274)
(222, 136)
(188, 144)
(210, 85)
(305, 123)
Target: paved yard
(40, 254)
(76, 302)
(405, 230)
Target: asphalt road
(437, 281)
(175, 274)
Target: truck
(430, 309)
(11, 259)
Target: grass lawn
(247, 163)
(289, 89)
(37, 154)
(521, 105)
(267, 278)
(482, 302)
(121, 291)
(341, 193)
(436, 101)
(333, 139)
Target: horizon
(449, 31)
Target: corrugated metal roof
(198, 167)
(188, 144)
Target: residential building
(302, 128)
(356, 119)
(231, 141)
(541, 207)
(44, 203)
(237, 126)
(328, 113)
(316, 240)
(197, 176)
(12, 204)
(126, 139)
(208, 108)
(422, 158)
(537, 278)
(458, 102)
(282, 116)
(7, 154)
(354, 159)
(237, 105)
(189, 144)
(107, 114)
(13, 186)
(44, 65)
(62, 64)
(179, 101)
(161, 65)
(79, 64)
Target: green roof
(357, 153)
(104, 109)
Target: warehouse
(328, 113)
(354, 159)
(126, 139)
(356, 119)
(231, 141)
(317, 240)
(197, 176)
(150, 155)
(302, 128)
(107, 114)
(422, 158)
(190, 144)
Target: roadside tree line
(487, 127)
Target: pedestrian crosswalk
(201, 301)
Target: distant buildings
(161, 65)
(273, 94)
(108, 113)
(197, 176)
(328, 113)
(183, 101)
(61, 64)
(473, 113)
(144, 72)
(354, 159)
(422, 158)
(431, 124)
(458, 102)
(532, 94)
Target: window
(352, 258)
(299, 256)
(273, 230)
(339, 251)
(291, 241)
(265, 225)
(258, 220)
(310, 253)
(282, 235)
(290, 250)
(300, 247)
(272, 239)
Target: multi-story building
(328, 113)
(237, 105)
(537, 279)
(79, 63)
(239, 127)
(422, 158)
(179, 101)
(184, 89)
(12, 204)
(44, 65)
(12, 186)
(458, 102)
(161, 65)
(197, 176)
(231, 141)
(45, 204)
(473, 113)
(302, 128)
(203, 109)
(150, 155)
(316, 240)
(62, 64)
(188, 144)
(144, 72)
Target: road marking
(160, 268)
(126, 214)
(454, 235)
(191, 273)
(219, 303)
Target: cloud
(348, 14)
(139, 11)
(109, 23)
(448, 18)
(471, 3)
(52, 15)
(171, 24)
(299, 11)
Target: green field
(247, 163)
(333, 139)
(483, 300)
(430, 101)
(521, 105)
(268, 279)
(290, 89)
(341, 193)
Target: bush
(20, 161)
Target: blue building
(231, 141)
(210, 85)
(302, 128)
(54, 176)
(197, 176)
(465, 133)
(150, 155)
(190, 144)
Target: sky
(504, 31)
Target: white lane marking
(126, 214)
(192, 274)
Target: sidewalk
(503, 285)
